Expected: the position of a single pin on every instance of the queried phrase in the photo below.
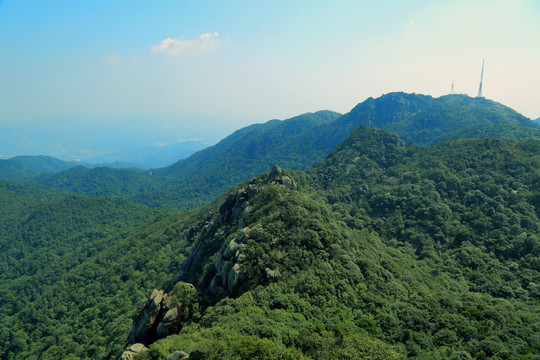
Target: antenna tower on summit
(481, 80)
(452, 88)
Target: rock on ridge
(276, 177)
(162, 314)
(228, 267)
(132, 351)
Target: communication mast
(481, 80)
(452, 88)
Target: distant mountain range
(297, 143)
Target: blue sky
(191, 67)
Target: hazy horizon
(180, 70)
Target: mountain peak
(425, 120)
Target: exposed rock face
(143, 327)
(161, 316)
(228, 267)
(276, 177)
(131, 351)
(178, 355)
(168, 324)
(272, 274)
(234, 211)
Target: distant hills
(25, 167)
(297, 143)
(43, 164)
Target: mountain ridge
(298, 143)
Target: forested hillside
(424, 120)
(298, 143)
(73, 269)
(24, 168)
(383, 251)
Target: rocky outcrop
(178, 355)
(272, 274)
(233, 213)
(276, 177)
(228, 266)
(144, 326)
(132, 351)
(222, 239)
(162, 314)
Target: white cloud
(113, 59)
(189, 140)
(203, 44)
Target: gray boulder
(178, 355)
(131, 351)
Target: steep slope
(424, 120)
(269, 288)
(290, 141)
(296, 143)
(383, 251)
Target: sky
(191, 69)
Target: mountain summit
(425, 120)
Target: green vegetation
(12, 170)
(24, 168)
(297, 143)
(384, 250)
(74, 269)
(43, 164)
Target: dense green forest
(73, 269)
(382, 250)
